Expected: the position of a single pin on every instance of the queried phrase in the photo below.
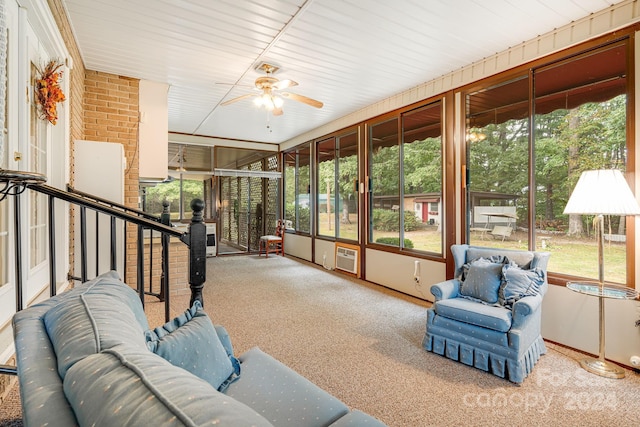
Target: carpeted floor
(362, 343)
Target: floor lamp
(602, 192)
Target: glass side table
(600, 366)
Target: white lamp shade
(602, 192)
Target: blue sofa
(488, 316)
(87, 357)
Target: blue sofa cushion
(91, 318)
(281, 395)
(127, 386)
(518, 283)
(482, 279)
(191, 342)
(464, 310)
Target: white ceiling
(346, 53)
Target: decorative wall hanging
(49, 92)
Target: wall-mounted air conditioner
(347, 258)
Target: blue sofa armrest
(523, 309)
(445, 290)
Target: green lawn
(578, 257)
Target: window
(497, 164)
(422, 177)
(578, 123)
(346, 185)
(326, 202)
(297, 188)
(384, 200)
(337, 199)
(190, 171)
(38, 158)
(4, 205)
(406, 180)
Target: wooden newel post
(197, 251)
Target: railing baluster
(18, 242)
(165, 219)
(83, 244)
(124, 263)
(114, 259)
(150, 262)
(164, 280)
(52, 247)
(140, 263)
(97, 244)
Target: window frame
(625, 37)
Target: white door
(35, 151)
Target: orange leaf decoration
(48, 91)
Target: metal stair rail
(15, 183)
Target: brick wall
(178, 267)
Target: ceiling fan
(270, 97)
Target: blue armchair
(489, 315)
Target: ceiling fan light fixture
(270, 97)
(267, 101)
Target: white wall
(329, 248)
(572, 319)
(154, 130)
(298, 246)
(397, 272)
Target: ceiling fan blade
(283, 84)
(303, 99)
(240, 98)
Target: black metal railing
(164, 218)
(14, 183)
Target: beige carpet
(362, 343)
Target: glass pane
(580, 124)
(290, 186)
(192, 158)
(303, 207)
(347, 186)
(156, 195)
(326, 201)
(4, 242)
(297, 188)
(4, 205)
(191, 189)
(498, 165)
(422, 176)
(385, 183)
(37, 163)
